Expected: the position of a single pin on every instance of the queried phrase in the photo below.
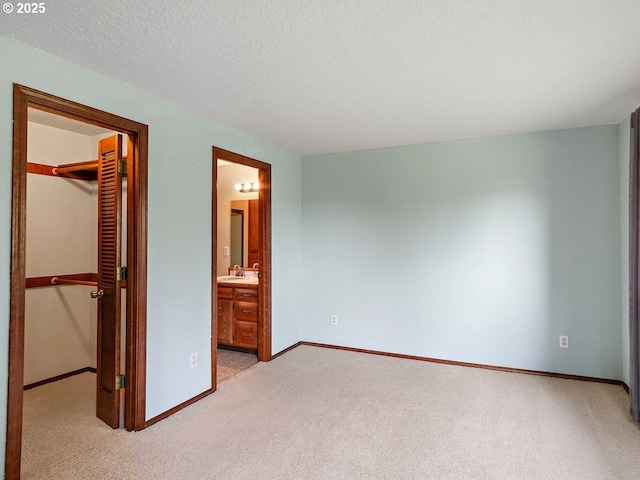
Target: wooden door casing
(254, 234)
(264, 258)
(25, 98)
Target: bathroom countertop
(244, 281)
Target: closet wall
(60, 321)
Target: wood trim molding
(59, 377)
(264, 327)
(17, 295)
(137, 206)
(214, 272)
(471, 365)
(23, 99)
(177, 408)
(40, 169)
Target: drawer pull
(246, 311)
(247, 335)
(247, 294)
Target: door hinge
(122, 166)
(121, 382)
(122, 273)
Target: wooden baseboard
(177, 408)
(472, 365)
(286, 350)
(59, 377)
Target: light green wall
(179, 250)
(481, 251)
(623, 148)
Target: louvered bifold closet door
(109, 226)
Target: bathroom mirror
(239, 227)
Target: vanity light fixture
(247, 187)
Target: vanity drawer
(246, 334)
(246, 294)
(225, 292)
(246, 311)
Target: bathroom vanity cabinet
(238, 315)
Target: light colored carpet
(316, 413)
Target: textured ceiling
(323, 76)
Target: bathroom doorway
(241, 307)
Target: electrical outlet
(334, 319)
(225, 251)
(564, 341)
(193, 361)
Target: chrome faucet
(237, 270)
(255, 265)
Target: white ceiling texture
(319, 76)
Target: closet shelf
(88, 169)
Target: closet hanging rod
(92, 165)
(63, 281)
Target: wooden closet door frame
(23, 99)
(264, 289)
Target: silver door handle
(97, 294)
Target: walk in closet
(75, 273)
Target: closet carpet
(317, 413)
